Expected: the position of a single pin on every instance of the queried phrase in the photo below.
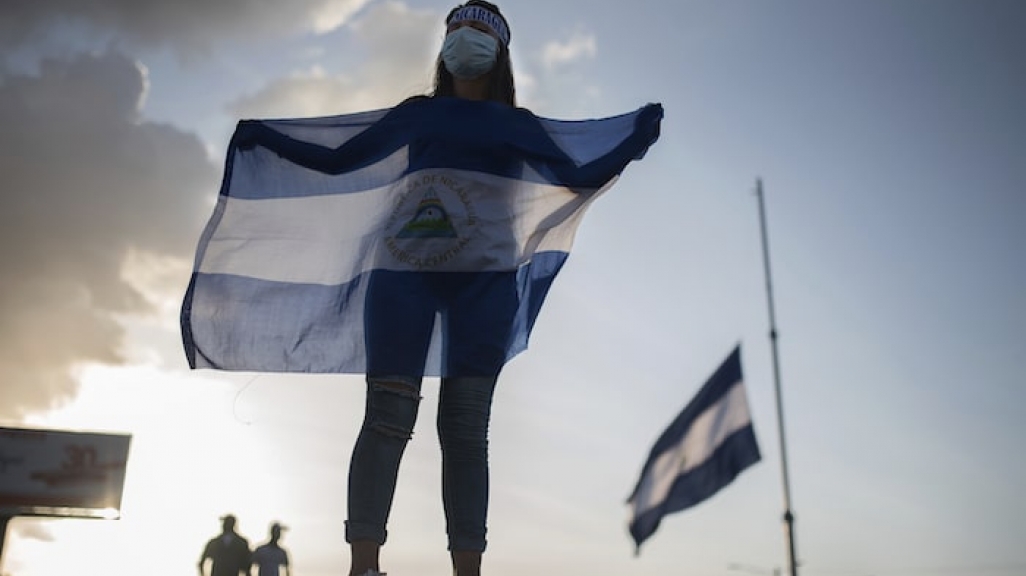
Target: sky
(891, 140)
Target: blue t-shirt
(269, 558)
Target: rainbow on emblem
(430, 221)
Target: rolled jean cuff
(362, 532)
(467, 542)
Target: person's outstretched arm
(552, 161)
(374, 143)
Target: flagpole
(4, 519)
(788, 515)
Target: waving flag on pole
(703, 450)
(434, 185)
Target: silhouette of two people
(230, 555)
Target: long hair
(500, 78)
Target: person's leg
(364, 554)
(477, 323)
(398, 331)
(391, 412)
(464, 411)
(466, 563)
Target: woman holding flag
(451, 244)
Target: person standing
(228, 552)
(479, 302)
(270, 557)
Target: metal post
(3, 536)
(788, 515)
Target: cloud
(85, 183)
(577, 47)
(560, 85)
(34, 529)
(403, 44)
(95, 196)
(331, 14)
(188, 25)
(305, 93)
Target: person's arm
(550, 159)
(288, 571)
(376, 142)
(203, 558)
(257, 557)
(249, 561)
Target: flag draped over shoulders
(432, 186)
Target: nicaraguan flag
(703, 450)
(435, 203)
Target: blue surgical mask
(469, 53)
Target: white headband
(484, 16)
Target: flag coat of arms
(705, 447)
(431, 204)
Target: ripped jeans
(464, 406)
(477, 312)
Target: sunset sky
(891, 138)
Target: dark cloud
(189, 25)
(87, 183)
(84, 182)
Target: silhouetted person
(228, 553)
(482, 300)
(270, 557)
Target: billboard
(61, 473)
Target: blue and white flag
(703, 450)
(418, 194)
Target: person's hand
(646, 125)
(247, 134)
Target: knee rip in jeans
(404, 391)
